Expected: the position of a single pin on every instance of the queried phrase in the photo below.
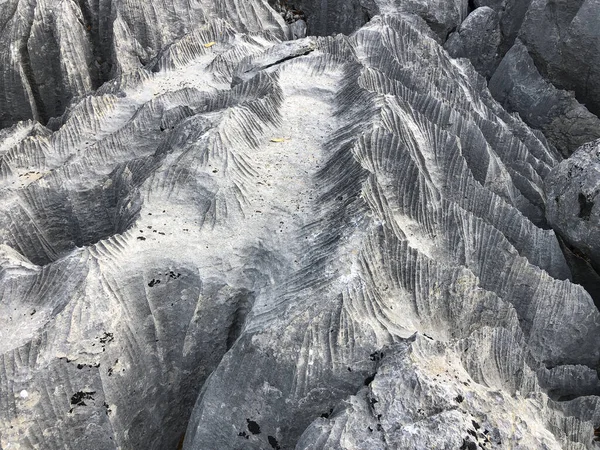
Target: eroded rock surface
(518, 86)
(573, 191)
(551, 63)
(564, 38)
(55, 51)
(331, 242)
(478, 39)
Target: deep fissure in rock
(326, 18)
(585, 207)
(583, 271)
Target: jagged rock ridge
(542, 56)
(284, 259)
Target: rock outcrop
(252, 243)
(573, 192)
(518, 86)
(57, 51)
(478, 38)
(550, 73)
(563, 37)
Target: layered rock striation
(540, 57)
(57, 51)
(249, 242)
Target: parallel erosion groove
(264, 240)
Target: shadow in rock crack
(327, 18)
(583, 270)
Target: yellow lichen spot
(209, 44)
(279, 139)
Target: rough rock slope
(56, 51)
(335, 242)
(542, 57)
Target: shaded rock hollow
(265, 244)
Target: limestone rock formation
(248, 242)
(551, 65)
(478, 38)
(511, 14)
(56, 51)
(564, 38)
(519, 87)
(442, 16)
(573, 191)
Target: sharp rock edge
(58, 51)
(542, 57)
(347, 248)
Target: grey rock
(564, 39)
(298, 29)
(511, 13)
(442, 16)
(277, 54)
(421, 396)
(58, 51)
(268, 244)
(325, 18)
(573, 191)
(519, 87)
(561, 38)
(311, 344)
(477, 39)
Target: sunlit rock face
(251, 242)
(55, 51)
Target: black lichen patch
(83, 366)
(78, 398)
(153, 283)
(107, 337)
(585, 207)
(468, 445)
(376, 356)
(273, 442)
(253, 427)
(459, 398)
(243, 434)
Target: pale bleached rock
(235, 260)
